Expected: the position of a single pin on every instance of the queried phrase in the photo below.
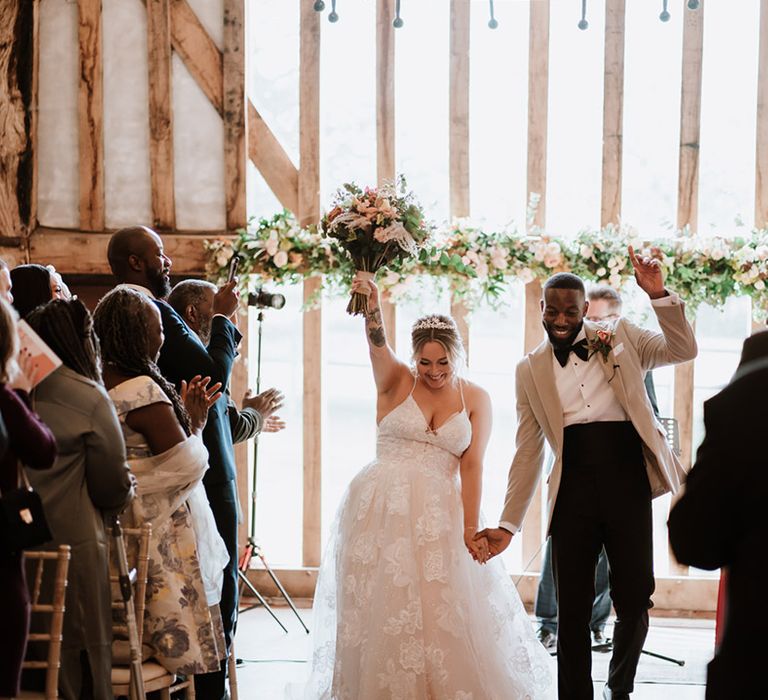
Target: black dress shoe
(547, 638)
(609, 694)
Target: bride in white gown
(402, 612)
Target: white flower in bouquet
(760, 285)
(600, 272)
(398, 233)
(482, 269)
(615, 280)
(586, 251)
(223, 257)
(762, 252)
(526, 275)
(280, 259)
(272, 244)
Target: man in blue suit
(137, 259)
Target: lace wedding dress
(402, 612)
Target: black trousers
(223, 500)
(604, 500)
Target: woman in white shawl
(182, 625)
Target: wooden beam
(538, 92)
(91, 116)
(14, 133)
(690, 120)
(613, 111)
(309, 213)
(385, 125)
(160, 114)
(272, 161)
(198, 51)
(33, 115)
(56, 246)
(761, 175)
(458, 135)
(235, 136)
(205, 63)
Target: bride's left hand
(478, 549)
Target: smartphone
(233, 265)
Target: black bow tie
(580, 349)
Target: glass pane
(574, 148)
(421, 103)
(498, 122)
(651, 118)
(280, 472)
(348, 99)
(728, 114)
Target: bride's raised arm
(387, 369)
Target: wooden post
(538, 87)
(235, 137)
(687, 213)
(385, 124)
(761, 164)
(14, 134)
(613, 111)
(160, 114)
(309, 212)
(91, 114)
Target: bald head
(136, 256)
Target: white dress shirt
(585, 394)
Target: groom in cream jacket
(582, 389)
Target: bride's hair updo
(439, 329)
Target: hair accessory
(433, 322)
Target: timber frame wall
(173, 26)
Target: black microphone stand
(253, 548)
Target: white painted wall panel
(57, 134)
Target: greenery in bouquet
(602, 256)
(377, 227)
(749, 264)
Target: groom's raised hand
(498, 539)
(648, 275)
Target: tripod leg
(258, 595)
(282, 590)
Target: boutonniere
(602, 343)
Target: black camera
(265, 300)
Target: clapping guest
(35, 285)
(32, 444)
(90, 479)
(193, 301)
(162, 437)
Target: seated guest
(32, 444)
(5, 282)
(182, 625)
(34, 285)
(89, 480)
(193, 301)
(721, 522)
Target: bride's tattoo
(376, 336)
(374, 317)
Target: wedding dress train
(402, 612)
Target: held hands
(362, 283)
(226, 300)
(498, 539)
(198, 397)
(476, 546)
(648, 275)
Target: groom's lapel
(544, 379)
(611, 367)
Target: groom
(582, 389)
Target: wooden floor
(272, 659)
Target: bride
(401, 610)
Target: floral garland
(478, 265)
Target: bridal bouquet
(376, 227)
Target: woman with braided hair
(89, 479)
(401, 609)
(182, 624)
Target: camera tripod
(252, 548)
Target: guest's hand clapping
(266, 403)
(198, 397)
